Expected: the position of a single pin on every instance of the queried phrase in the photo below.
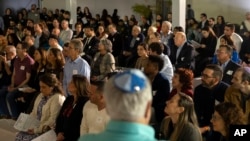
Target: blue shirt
(122, 131)
(78, 66)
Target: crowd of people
(124, 79)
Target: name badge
(99, 120)
(229, 72)
(22, 67)
(154, 93)
(75, 72)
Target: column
(179, 13)
(71, 6)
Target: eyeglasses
(206, 76)
(215, 118)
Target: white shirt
(167, 69)
(236, 39)
(93, 120)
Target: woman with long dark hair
(69, 120)
(181, 124)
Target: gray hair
(128, 106)
(78, 45)
(107, 44)
(168, 24)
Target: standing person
(74, 63)
(46, 108)
(129, 109)
(69, 119)
(190, 12)
(181, 124)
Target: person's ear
(180, 109)
(148, 111)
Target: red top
(189, 92)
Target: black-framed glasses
(206, 76)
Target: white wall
(96, 6)
(232, 10)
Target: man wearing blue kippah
(128, 101)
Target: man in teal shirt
(128, 97)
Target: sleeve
(227, 97)
(84, 125)
(191, 133)
(55, 107)
(109, 65)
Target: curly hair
(231, 115)
(186, 77)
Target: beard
(207, 84)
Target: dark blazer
(44, 41)
(204, 101)
(209, 50)
(91, 48)
(133, 49)
(229, 71)
(200, 24)
(185, 58)
(70, 125)
(117, 43)
(161, 92)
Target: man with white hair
(128, 99)
(166, 33)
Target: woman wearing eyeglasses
(226, 114)
(104, 61)
(181, 124)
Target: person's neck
(165, 33)
(101, 106)
(224, 61)
(223, 133)
(144, 56)
(102, 52)
(174, 118)
(22, 56)
(152, 76)
(211, 87)
(74, 58)
(178, 88)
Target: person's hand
(204, 129)
(93, 78)
(60, 136)
(29, 90)
(126, 53)
(3, 59)
(11, 88)
(30, 131)
(203, 46)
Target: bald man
(184, 55)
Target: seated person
(142, 51)
(226, 114)
(69, 119)
(46, 108)
(129, 109)
(181, 124)
(95, 117)
(104, 61)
